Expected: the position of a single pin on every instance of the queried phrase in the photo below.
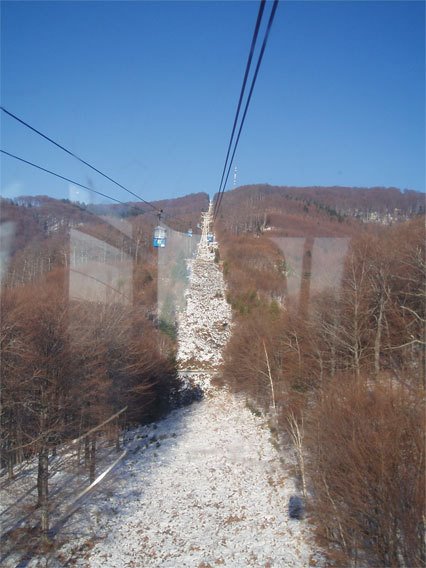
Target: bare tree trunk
(79, 441)
(92, 466)
(378, 338)
(11, 459)
(43, 488)
(342, 534)
(355, 345)
(19, 454)
(270, 380)
(78, 454)
(333, 354)
(299, 356)
(297, 435)
(39, 476)
(117, 438)
(86, 452)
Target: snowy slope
(208, 490)
(204, 487)
(204, 327)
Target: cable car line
(221, 187)
(75, 156)
(160, 233)
(259, 61)
(92, 167)
(158, 212)
(248, 65)
(73, 182)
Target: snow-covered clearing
(208, 490)
(204, 327)
(204, 487)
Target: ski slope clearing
(204, 487)
(204, 326)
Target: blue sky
(147, 92)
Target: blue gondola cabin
(160, 237)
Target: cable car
(160, 237)
(189, 233)
(210, 238)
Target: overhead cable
(248, 65)
(73, 181)
(157, 212)
(76, 157)
(259, 61)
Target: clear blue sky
(147, 92)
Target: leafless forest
(80, 337)
(327, 288)
(338, 359)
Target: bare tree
(297, 433)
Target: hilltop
(319, 211)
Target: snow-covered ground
(206, 486)
(210, 488)
(204, 327)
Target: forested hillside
(327, 343)
(80, 335)
(305, 210)
(328, 338)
